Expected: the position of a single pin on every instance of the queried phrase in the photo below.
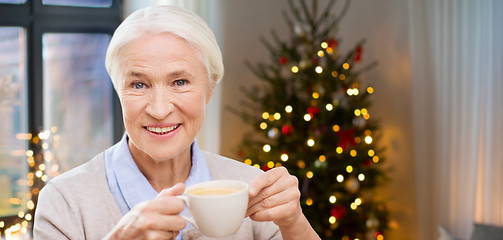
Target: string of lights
(43, 164)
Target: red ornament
(287, 129)
(358, 54)
(265, 168)
(313, 111)
(241, 153)
(346, 137)
(367, 162)
(338, 212)
(315, 60)
(332, 43)
(283, 60)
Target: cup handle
(186, 202)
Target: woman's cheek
(131, 104)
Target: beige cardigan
(78, 204)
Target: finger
(166, 205)
(278, 214)
(266, 179)
(144, 220)
(285, 182)
(290, 195)
(166, 202)
(267, 192)
(166, 223)
(159, 235)
(178, 189)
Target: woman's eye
(180, 82)
(138, 85)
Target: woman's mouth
(163, 130)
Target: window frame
(38, 19)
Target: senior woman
(164, 63)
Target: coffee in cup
(212, 191)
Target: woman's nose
(160, 104)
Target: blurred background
(437, 96)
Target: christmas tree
(313, 118)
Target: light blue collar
(130, 187)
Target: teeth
(163, 130)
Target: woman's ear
(208, 95)
(211, 87)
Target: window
(57, 105)
(79, 3)
(13, 116)
(13, 1)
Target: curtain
(209, 136)
(456, 66)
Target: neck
(163, 173)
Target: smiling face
(163, 93)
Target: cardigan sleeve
(77, 205)
(54, 218)
(266, 230)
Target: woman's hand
(275, 196)
(156, 219)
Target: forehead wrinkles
(124, 59)
(169, 75)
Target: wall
(384, 23)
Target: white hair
(166, 19)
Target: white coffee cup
(217, 207)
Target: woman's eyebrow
(175, 74)
(181, 73)
(135, 74)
